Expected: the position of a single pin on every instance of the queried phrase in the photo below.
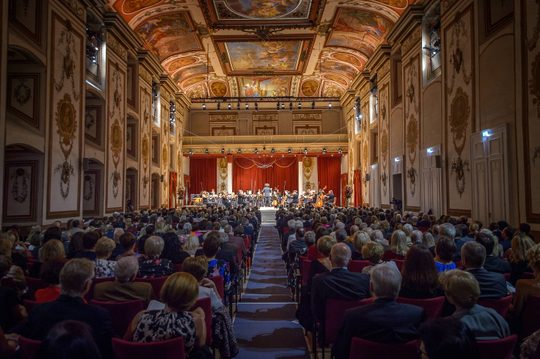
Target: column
(300, 177)
(229, 175)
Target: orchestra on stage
(266, 197)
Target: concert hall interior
(366, 118)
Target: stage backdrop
(202, 175)
(329, 174)
(253, 173)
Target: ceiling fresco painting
(257, 48)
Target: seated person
(447, 338)
(75, 281)
(105, 267)
(528, 287)
(12, 312)
(492, 263)
(339, 283)
(374, 252)
(150, 265)
(398, 246)
(492, 285)
(216, 267)
(89, 240)
(420, 278)
(179, 293)
(123, 288)
(385, 320)
(444, 252)
(50, 274)
(462, 290)
(127, 244)
(70, 339)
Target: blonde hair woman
(518, 256)
(398, 246)
(528, 287)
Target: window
(155, 149)
(155, 103)
(172, 117)
(357, 116)
(431, 43)
(397, 80)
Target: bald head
(340, 255)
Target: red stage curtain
(343, 185)
(329, 174)
(357, 189)
(202, 175)
(253, 173)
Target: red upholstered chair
(432, 306)
(501, 305)
(305, 267)
(90, 293)
(166, 349)
(220, 285)
(29, 347)
(35, 284)
(365, 349)
(206, 306)
(156, 282)
(358, 265)
(122, 313)
(500, 348)
(530, 317)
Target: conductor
(267, 193)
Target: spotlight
(340, 151)
(313, 104)
(204, 106)
(290, 106)
(329, 105)
(206, 150)
(324, 150)
(219, 105)
(299, 105)
(247, 106)
(229, 106)
(289, 150)
(305, 151)
(190, 152)
(256, 106)
(283, 105)
(222, 150)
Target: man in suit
(492, 285)
(124, 288)
(493, 263)
(385, 320)
(75, 281)
(339, 283)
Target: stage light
(313, 104)
(299, 105)
(247, 106)
(330, 105)
(206, 150)
(204, 106)
(229, 106)
(290, 106)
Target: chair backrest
(206, 305)
(399, 263)
(156, 282)
(365, 349)
(122, 313)
(432, 306)
(335, 313)
(305, 269)
(501, 305)
(358, 265)
(29, 347)
(35, 284)
(220, 285)
(500, 348)
(166, 349)
(530, 317)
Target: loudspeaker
(438, 161)
(85, 164)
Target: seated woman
(518, 256)
(374, 252)
(462, 290)
(216, 267)
(361, 238)
(419, 276)
(444, 252)
(447, 338)
(150, 265)
(104, 267)
(398, 246)
(528, 287)
(192, 244)
(223, 336)
(179, 293)
(173, 248)
(51, 250)
(50, 274)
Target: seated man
(493, 263)
(492, 285)
(385, 320)
(75, 281)
(124, 288)
(339, 283)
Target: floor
(265, 324)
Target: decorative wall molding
(413, 39)
(114, 44)
(76, 8)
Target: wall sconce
(190, 152)
(283, 105)
(330, 105)
(277, 106)
(273, 150)
(486, 134)
(247, 106)
(239, 150)
(299, 105)
(397, 159)
(256, 150)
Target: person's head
(75, 245)
(385, 281)
(89, 240)
(5, 264)
(447, 230)
(126, 269)
(192, 243)
(76, 277)
(180, 291)
(428, 240)
(53, 232)
(419, 269)
(53, 249)
(373, 252)
(211, 244)
(50, 271)
(340, 255)
(486, 241)
(196, 266)
(398, 242)
(309, 238)
(153, 246)
(533, 257)
(461, 288)
(127, 241)
(447, 338)
(104, 247)
(325, 244)
(445, 248)
(520, 245)
(118, 232)
(69, 339)
(473, 255)
(361, 238)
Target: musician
(267, 193)
(330, 198)
(294, 201)
(241, 197)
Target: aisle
(265, 324)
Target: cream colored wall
(432, 119)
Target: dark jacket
(339, 283)
(385, 321)
(44, 316)
(497, 264)
(492, 285)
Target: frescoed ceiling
(259, 48)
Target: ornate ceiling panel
(256, 48)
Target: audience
(69, 339)
(462, 291)
(521, 243)
(104, 267)
(447, 338)
(150, 265)
(385, 320)
(444, 252)
(492, 263)
(528, 287)
(50, 274)
(420, 278)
